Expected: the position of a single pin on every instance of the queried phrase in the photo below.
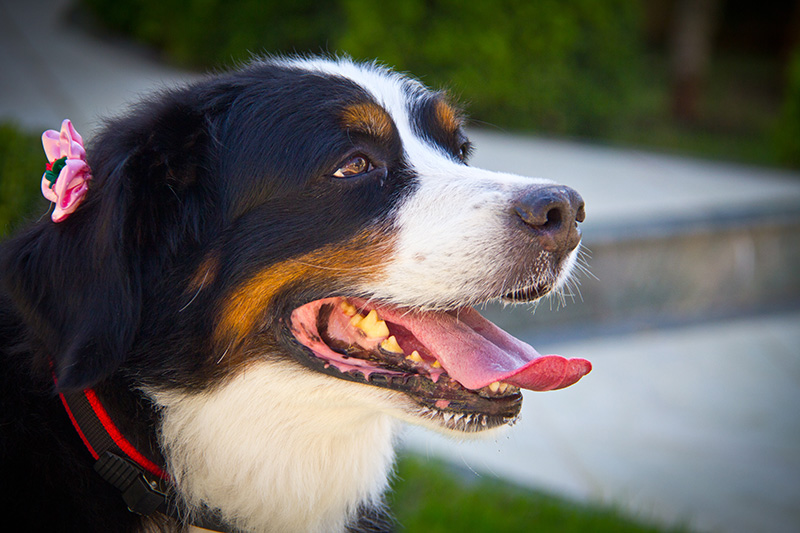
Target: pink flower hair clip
(67, 174)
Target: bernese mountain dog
(272, 269)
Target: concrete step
(675, 274)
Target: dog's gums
(452, 362)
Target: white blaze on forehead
(396, 93)
(453, 229)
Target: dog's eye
(355, 166)
(464, 150)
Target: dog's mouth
(459, 367)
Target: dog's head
(313, 215)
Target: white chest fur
(278, 448)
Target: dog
(272, 270)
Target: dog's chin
(526, 294)
(408, 409)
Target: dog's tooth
(372, 325)
(390, 345)
(436, 364)
(348, 308)
(415, 356)
(494, 387)
(356, 320)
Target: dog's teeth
(348, 308)
(494, 387)
(505, 387)
(415, 356)
(390, 345)
(436, 364)
(371, 325)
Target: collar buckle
(141, 496)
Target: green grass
(431, 497)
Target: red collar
(143, 483)
(146, 488)
(86, 405)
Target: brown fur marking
(368, 118)
(205, 274)
(448, 116)
(347, 263)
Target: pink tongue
(476, 353)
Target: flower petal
(71, 143)
(70, 188)
(47, 191)
(52, 145)
(67, 124)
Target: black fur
(102, 299)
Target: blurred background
(679, 123)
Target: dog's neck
(277, 449)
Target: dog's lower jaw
(279, 448)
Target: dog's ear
(79, 284)
(168, 151)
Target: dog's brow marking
(448, 117)
(361, 258)
(370, 118)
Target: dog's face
(385, 238)
(311, 216)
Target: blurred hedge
(787, 139)
(22, 162)
(211, 33)
(563, 67)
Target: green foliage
(559, 67)
(788, 131)
(429, 497)
(210, 33)
(554, 66)
(22, 163)
(577, 68)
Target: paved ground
(696, 424)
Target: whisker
(354, 270)
(200, 288)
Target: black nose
(552, 214)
